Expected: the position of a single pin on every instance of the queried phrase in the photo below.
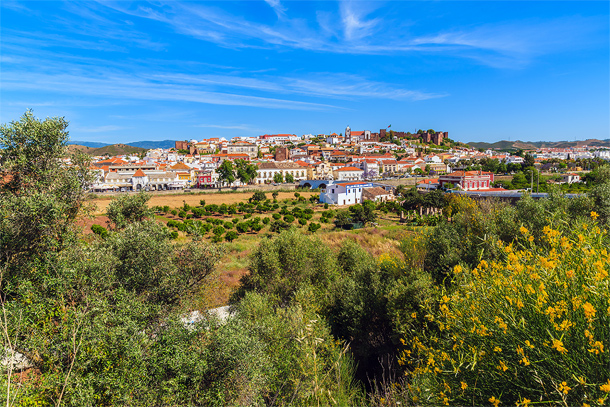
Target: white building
(346, 193)
(348, 174)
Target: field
(177, 200)
(383, 238)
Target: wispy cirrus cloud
(506, 44)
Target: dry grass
(175, 201)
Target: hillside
(113, 149)
(116, 149)
(530, 145)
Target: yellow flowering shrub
(531, 325)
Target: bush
(218, 230)
(313, 227)
(302, 222)
(531, 324)
(276, 216)
(127, 209)
(231, 235)
(174, 235)
(289, 218)
(99, 230)
(242, 227)
(228, 225)
(182, 214)
(266, 220)
(202, 202)
(235, 221)
(174, 212)
(325, 205)
(258, 196)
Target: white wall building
(348, 174)
(344, 193)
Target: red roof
(344, 184)
(349, 169)
(139, 173)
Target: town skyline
(122, 72)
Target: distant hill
(112, 149)
(93, 144)
(142, 144)
(531, 145)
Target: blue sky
(482, 70)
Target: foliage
(127, 209)
(364, 213)
(99, 230)
(258, 196)
(531, 325)
(282, 265)
(278, 178)
(226, 172)
(245, 171)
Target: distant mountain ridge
(141, 144)
(532, 145)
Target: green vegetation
(490, 303)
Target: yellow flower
(594, 215)
(497, 349)
(414, 315)
(464, 385)
(529, 344)
(523, 230)
(597, 347)
(558, 345)
(524, 402)
(564, 388)
(605, 387)
(494, 401)
(524, 361)
(531, 238)
(589, 310)
(502, 366)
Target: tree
(343, 219)
(528, 161)
(278, 178)
(258, 196)
(274, 195)
(130, 208)
(246, 172)
(289, 178)
(226, 172)
(231, 235)
(364, 213)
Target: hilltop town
(357, 160)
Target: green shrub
(266, 220)
(529, 325)
(99, 230)
(231, 235)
